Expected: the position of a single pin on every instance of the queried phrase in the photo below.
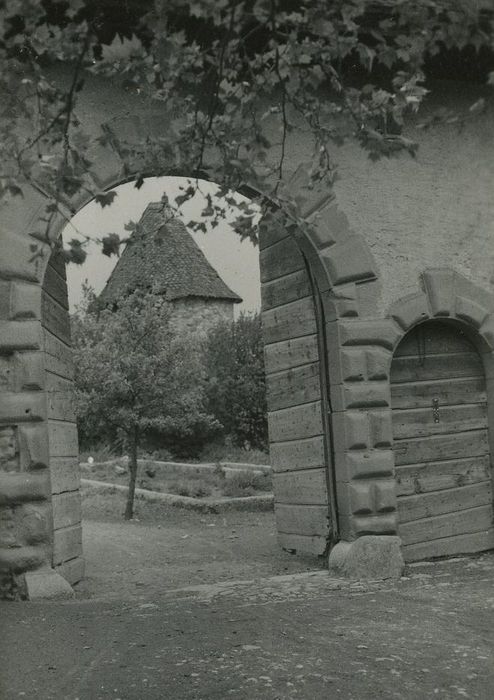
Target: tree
(241, 76)
(236, 386)
(132, 374)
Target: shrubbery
(235, 389)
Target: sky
(236, 261)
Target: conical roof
(162, 254)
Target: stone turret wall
(196, 315)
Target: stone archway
(297, 275)
(362, 420)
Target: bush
(226, 452)
(236, 390)
(246, 483)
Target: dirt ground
(166, 547)
(184, 606)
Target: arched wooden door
(442, 455)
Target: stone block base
(370, 557)
(48, 584)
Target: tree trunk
(129, 508)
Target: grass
(246, 483)
(215, 484)
(216, 452)
(100, 453)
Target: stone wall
(26, 528)
(195, 315)
(62, 429)
(432, 210)
(297, 434)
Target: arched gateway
(332, 321)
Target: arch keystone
(439, 285)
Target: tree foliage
(134, 376)
(236, 390)
(235, 79)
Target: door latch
(435, 410)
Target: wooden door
(442, 456)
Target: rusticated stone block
(22, 406)
(25, 301)
(33, 441)
(369, 465)
(341, 466)
(72, 571)
(488, 358)
(55, 318)
(67, 544)
(381, 429)
(375, 524)
(350, 430)
(7, 373)
(487, 331)
(312, 197)
(469, 311)
(30, 371)
(64, 474)
(360, 395)
(468, 290)
(347, 366)
(329, 225)
(297, 422)
(378, 362)
(341, 301)
(5, 290)
(410, 310)
(349, 261)
(384, 332)
(298, 454)
(368, 558)
(22, 256)
(355, 364)
(20, 559)
(20, 335)
(66, 509)
(32, 524)
(280, 259)
(356, 498)
(55, 282)
(16, 487)
(8, 534)
(384, 496)
(369, 299)
(9, 449)
(439, 284)
(285, 289)
(367, 497)
(12, 587)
